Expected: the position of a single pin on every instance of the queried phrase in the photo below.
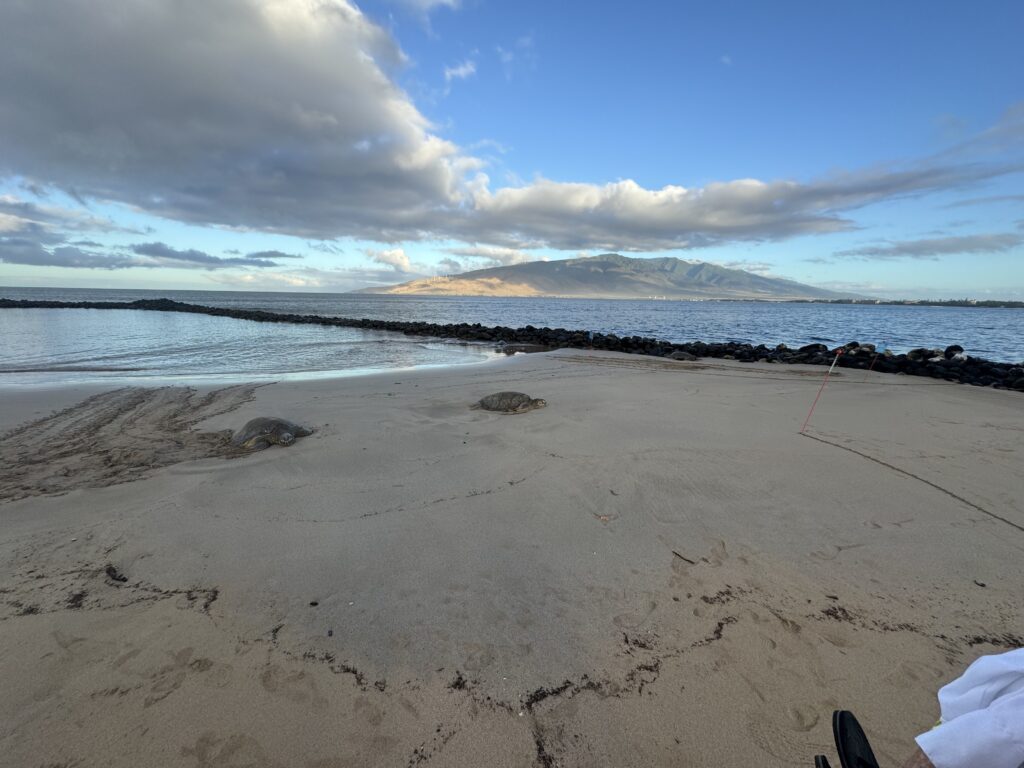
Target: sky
(320, 145)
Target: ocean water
(46, 347)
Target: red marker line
(822, 389)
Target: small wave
(70, 369)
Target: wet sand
(654, 570)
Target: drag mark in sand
(114, 437)
(911, 475)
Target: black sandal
(852, 744)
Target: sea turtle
(263, 432)
(510, 402)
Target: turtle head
(538, 402)
(284, 438)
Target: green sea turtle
(267, 431)
(510, 402)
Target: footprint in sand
(479, 656)
(793, 627)
(369, 711)
(298, 687)
(172, 676)
(718, 555)
(635, 620)
(790, 734)
(235, 751)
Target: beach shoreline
(655, 569)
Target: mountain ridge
(613, 276)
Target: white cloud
(627, 217)
(305, 278)
(426, 6)
(393, 257)
(278, 115)
(285, 116)
(489, 144)
(10, 223)
(756, 267)
(460, 71)
(491, 256)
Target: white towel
(982, 722)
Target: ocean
(41, 347)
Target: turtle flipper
(821, 762)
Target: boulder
(681, 355)
(813, 349)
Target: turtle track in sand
(114, 437)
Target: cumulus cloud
(278, 115)
(450, 266)
(284, 116)
(932, 248)
(393, 257)
(627, 217)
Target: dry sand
(654, 570)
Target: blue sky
(317, 145)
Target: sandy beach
(656, 569)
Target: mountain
(611, 276)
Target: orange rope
(822, 389)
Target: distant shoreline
(949, 364)
(965, 302)
(987, 304)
